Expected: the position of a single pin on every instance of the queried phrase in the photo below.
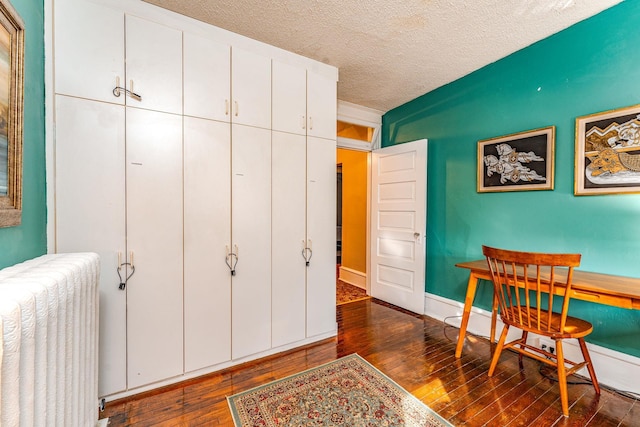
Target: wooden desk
(616, 291)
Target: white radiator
(49, 341)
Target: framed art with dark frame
(11, 110)
(518, 162)
(607, 157)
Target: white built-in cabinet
(303, 174)
(301, 98)
(303, 250)
(180, 157)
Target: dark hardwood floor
(415, 351)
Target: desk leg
(468, 303)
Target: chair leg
(525, 334)
(587, 358)
(562, 379)
(498, 350)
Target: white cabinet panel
(321, 106)
(90, 214)
(288, 238)
(321, 226)
(250, 88)
(154, 235)
(207, 228)
(89, 51)
(207, 78)
(154, 65)
(251, 233)
(123, 186)
(289, 98)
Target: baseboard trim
(353, 277)
(221, 366)
(613, 368)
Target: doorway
(351, 233)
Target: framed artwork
(11, 93)
(608, 152)
(518, 162)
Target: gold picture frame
(11, 114)
(521, 161)
(607, 152)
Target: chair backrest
(521, 280)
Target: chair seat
(574, 327)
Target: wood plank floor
(415, 351)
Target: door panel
(90, 214)
(289, 233)
(251, 235)
(207, 78)
(154, 234)
(154, 64)
(398, 225)
(289, 98)
(89, 54)
(321, 233)
(250, 89)
(207, 228)
(321, 106)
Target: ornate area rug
(346, 392)
(346, 292)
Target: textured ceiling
(389, 52)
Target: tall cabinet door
(207, 78)
(289, 238)
(155, 236)
(154, 65)
(90, 214)
(251, 239)
(207, 234)
(250, 88)
(321, 235)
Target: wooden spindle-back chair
(525, 284)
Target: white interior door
(398, 224)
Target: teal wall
(592, 66)
(29, 239)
